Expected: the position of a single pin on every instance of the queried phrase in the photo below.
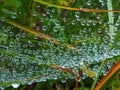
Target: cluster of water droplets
(25, 58)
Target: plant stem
(76, 9)
(99, 72)
(111, 20)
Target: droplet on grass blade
(15, 85)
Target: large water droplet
(15, 85)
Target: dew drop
(63, 81)
(51, 15)
(64, 19)
(34, 14)
(42, 19)
(98, 17)
(9, 28)
(15, 85)
(2, 18)
(55, 29)
(89, 3)
(73, 22)
(100, 1)
(23, 35)
(14, 15)
(38, 28)
(77, 14)
(1, 88)
(30, 44)
(11, 34)
(44, 28)
(48, 11)
(83, 23)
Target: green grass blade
(109, 77)
(99, 72)
(69, 8)
(111, 19)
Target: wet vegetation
(58, 44)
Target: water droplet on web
(29, 51)
(36, 37)
(73, 22)
(42, 19)
(51, 15)
(30, 44)
(24, 35)
(89, 2)
(11, 44)
(100, 1)
(98, 17)
(2, 18)
(48, 11)
(38, 28)
(81, 63)
(100, 30)
(9, 28)
(47, 18)
(100, 22)
(106, 39)
(14, 15)
(25, 45)
(55, 29)
(94, 23)
(5, 32)
(15, 85)
(63, 81)
(44, 28)
(34, 14)
(77, 14)
(83, 23)
(64, 19)
(2, 88)
(11, 34)
(18, 35)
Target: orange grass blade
(72, 48)
(66, 70)
(70, 8)
(109, 77)
(38, 34)
(32, 31)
